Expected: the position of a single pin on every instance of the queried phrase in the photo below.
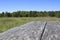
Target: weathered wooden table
(33, 31)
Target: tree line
(31, 14)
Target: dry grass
(10, 22)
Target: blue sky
(27, 5)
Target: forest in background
(31, 14)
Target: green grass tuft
(7, 23)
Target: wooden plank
(29, 31)
(52, 31)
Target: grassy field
(10, 22)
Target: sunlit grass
(10, 22)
